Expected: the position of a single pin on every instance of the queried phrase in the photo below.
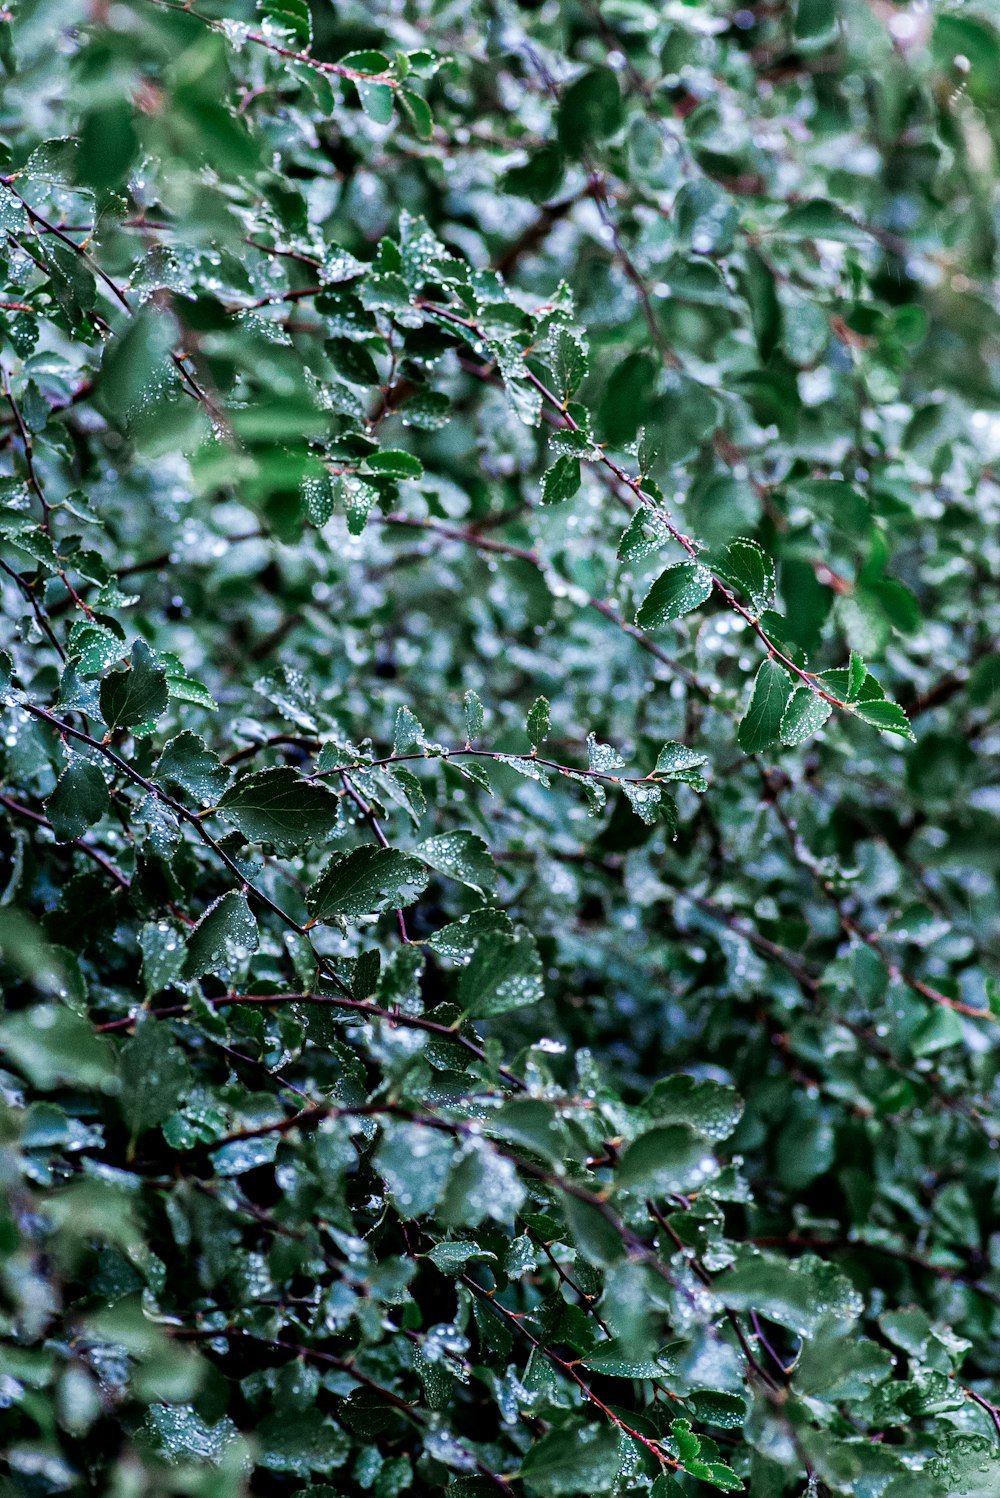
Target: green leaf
(712, 1108)
(280, 806)
(94, 648)
(136, 695)
(745, 566)
(714, 1407)
(820, 219)
(365, 882)
(567, 358)
(888, 716)
(223, 939)
(561, 481)
(415, 1164)
(676, 591)
(473, 717)
(154, 1075)
(761, 724)
(455, 1258)
(293, 16)
(79, 800)
(376, 100)
(505, 973)
(577, 1459)
(163, 955)
(590, 109)
(678, 762)
(805, 712)
(393, 463)
(55, 1047)
(407, 733)
(538, 723)
(187, 762)
(670, 1157)
(462, 856)
(798, 1295)
(135, 363)
(418, 111)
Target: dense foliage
(498, 559)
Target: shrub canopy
(498, 548)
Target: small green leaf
(561, 481)
(462, 856)
(676, 591)
(505, 973)
(670, 1157)
(187, 762)
(418, 110)
(163, 955)
(713, 1108)
(745, 566)
(293, 16)
(761, 723)
(888, 716)
(538, 723)
(415, 1164)
(223, 939)
(454, 1258)
(79, 800)
(394, 463)
(375, 99)
(407, 733)
(138, 694)
(678, 762)
(473, 717)
(805, 712)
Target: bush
(499, 567)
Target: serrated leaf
(138, 694)
(365, 882)
(538, 722)
(676, 591)
(561, 481)
(223, 939)
(745, 566)
(761, 724)
(187, 762)
(505, 973)
(805, 712)
(473, 717)
(408, 731)
(93, 647)
(888, 716)
(154, 1073)
(567, 358)
(280, 806)
(462, 856)
(79, 800)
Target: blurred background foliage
(486, 1005)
